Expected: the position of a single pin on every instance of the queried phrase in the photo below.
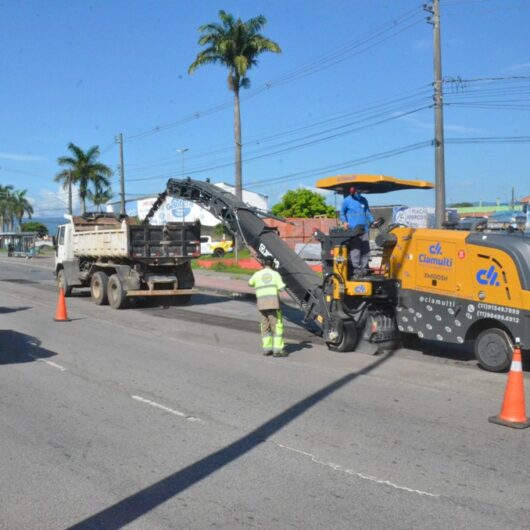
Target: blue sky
(352, 86)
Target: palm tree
(236, 45)
(21, 206)
(83, 168)
(102, 192)
(5, 204)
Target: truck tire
(493, 350)
(98, 288)
(219, 252)
(62, 282)
(116, 293)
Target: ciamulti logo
(435, 257)
(435, 249)
(488, 276)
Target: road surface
(148, 419)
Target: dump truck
(120, 259)
(445, 286)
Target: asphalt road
(146, 419)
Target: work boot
(267, 353)
(279, 354)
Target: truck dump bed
(108, 237)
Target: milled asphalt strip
(290, 332)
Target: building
(178, 210)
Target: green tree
(461, 205)
(35, 226)
(302, 203)
(21, 206)
(82, 169)
(236, 45)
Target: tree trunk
(238, 147)
(238, 176)
(69, 193)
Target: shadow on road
(17, 347)
(131, 508)
(303, 345)
(5, 310)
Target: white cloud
(20, 158)
(518, 67)
(54, 204)
(448, 127)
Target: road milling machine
(440, 285)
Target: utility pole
(70, 191)
(439, 156)
(119, 140)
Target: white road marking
(49, 363)
(166, 409)
(342, 469)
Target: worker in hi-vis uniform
(268, 283)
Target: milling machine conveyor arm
(303, 284)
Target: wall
(300, 230)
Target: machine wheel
(61, 282)
(219, 252)
(347, 337)
(98, 288)
(116, 293)
(493, 350)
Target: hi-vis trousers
(272, 330)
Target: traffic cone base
(513, 424)
(513, 413)
(61, 314)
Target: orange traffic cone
(513, 413)
(60, 313)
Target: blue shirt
(355, 211)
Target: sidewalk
(229, 283)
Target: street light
(181, 151)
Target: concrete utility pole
(439, 155)
(70, 192)
(119, 140)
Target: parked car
(217, 248)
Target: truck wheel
(98, 288)
(493, 350)
(116, 293)
(219, 252)
(61, 282)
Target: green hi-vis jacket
(267, 283)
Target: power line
(329, 59)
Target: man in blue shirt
(354, 213)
